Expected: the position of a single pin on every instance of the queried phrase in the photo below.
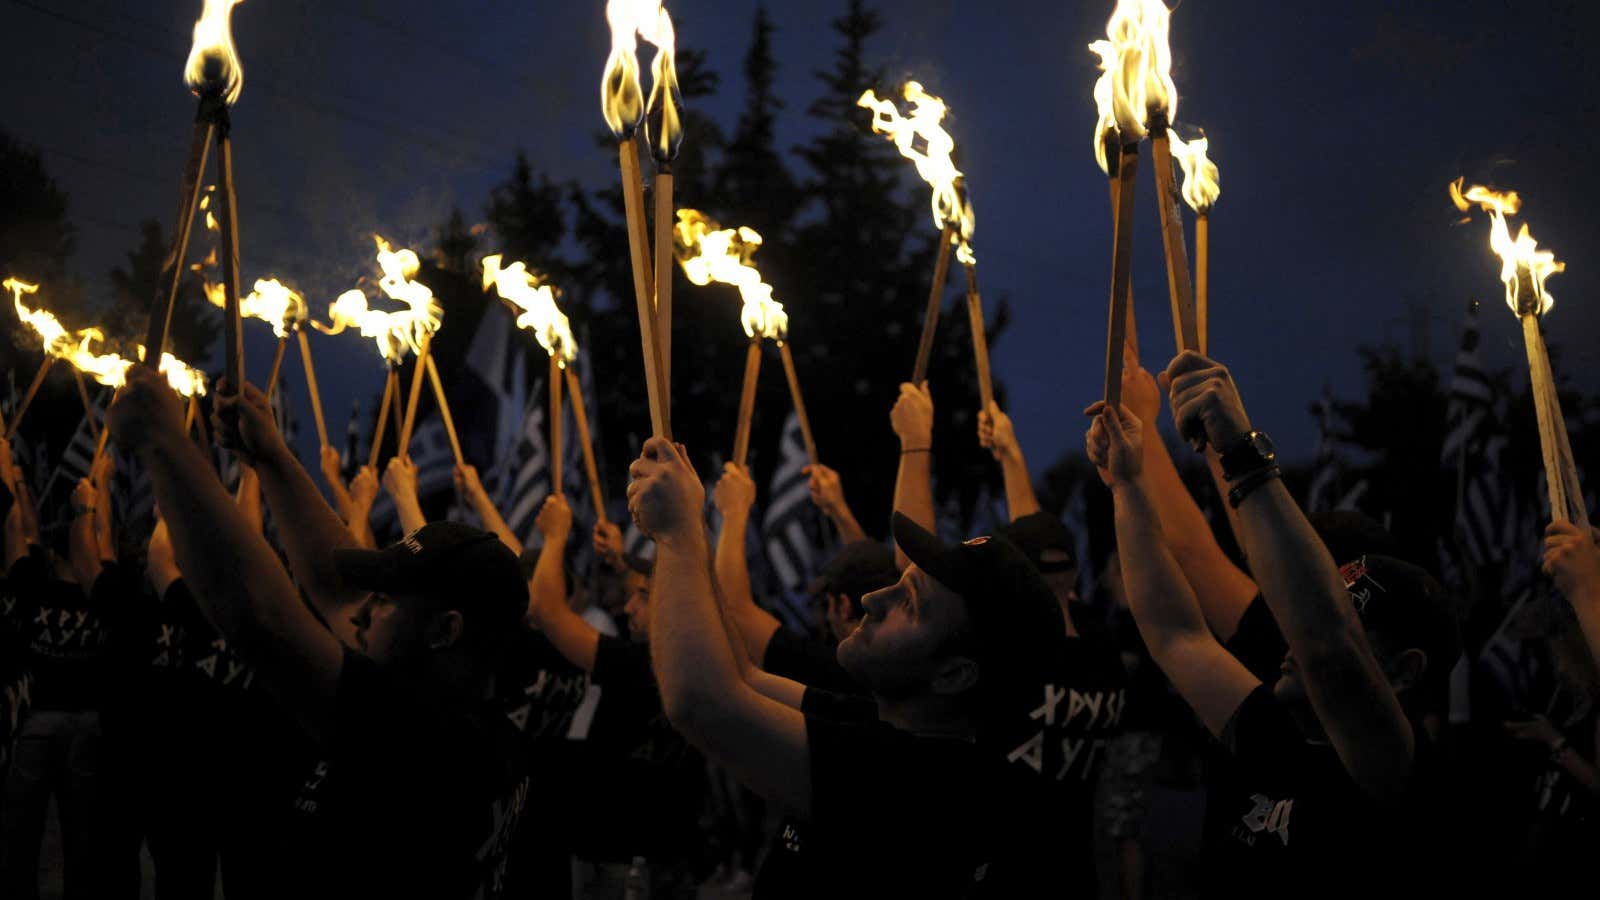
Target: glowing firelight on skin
(1521, 252)
(710, 253)
(394, 332)
(1136, 73)
(213, 68)
(82, 349)
(536, 300)
(1201, 184)
(922, 139)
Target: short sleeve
(834, 707)
(812, 663)
(1261, 729)
(621, 663)
(1257, 643)
(851, 765)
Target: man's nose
(876, 604)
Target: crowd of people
(455, 715)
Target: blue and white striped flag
(790, 524)
(522, 481)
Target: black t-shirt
(894, 814)
(15, 681)
(1257, 643)
(1560, 802)
(1061, 742)
(193, 722)
(1288, 819)
(649, 783)
(810, 661)
(66, 633)
(416, 796)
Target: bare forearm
(753, 626)
(234, 574)
(913, 494)
(495, 524)
(1223, 590)
(694, 661)
(105, 537)
(1020, 498)
(1298, 578)
(850, 530)
(410, 512)
(84, 549)
(549, 582)
(308, 528)
(1162, 600)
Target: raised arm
(761, 741)
(607, 539)
(1211, 681)
(400, 480)
(827, 493)
(83, 544)
(1572, 558)
(161, 566)
(1223, 589)
(308, 529)
(334, 478)
(363, 493)
(235, 576)
(995, 432)
(912, 418)
(249, 497)
(101, 473)
(735, 493)
(548, 608)
(471, 491)
(1353, 700)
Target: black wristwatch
(1252, 454)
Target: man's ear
(1405, 669)
(445, 629)
(955, 675)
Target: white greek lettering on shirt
(1270, 816)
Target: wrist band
(1248, 484)
(916, 450)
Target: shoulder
(619, 660)
(837, 707)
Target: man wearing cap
(907, 804)
(420, 786)
(859, 568)
(1328, 790)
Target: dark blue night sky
(1336, 125)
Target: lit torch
(622, 103)
(711, 254)
(922, 139)
(1201, 188)
(535, 302)
(394, 333)
(1524, 269)
(215, 76)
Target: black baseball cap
(1044, 541)
(859, 568)
(1407, 607)
(1350, 535)
(1017, 631)
(454, 565)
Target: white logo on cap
(975, 542)
(411, 543)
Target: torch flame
(395, 332)
(1200, 177)
(710, 253)
(1517, 254)
(537, 301)
(920, 138)
(1136, 73)
(213, 68)
(82, 349)
(271, 302)
(621, 96)
(664, 125)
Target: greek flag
(790, 524)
